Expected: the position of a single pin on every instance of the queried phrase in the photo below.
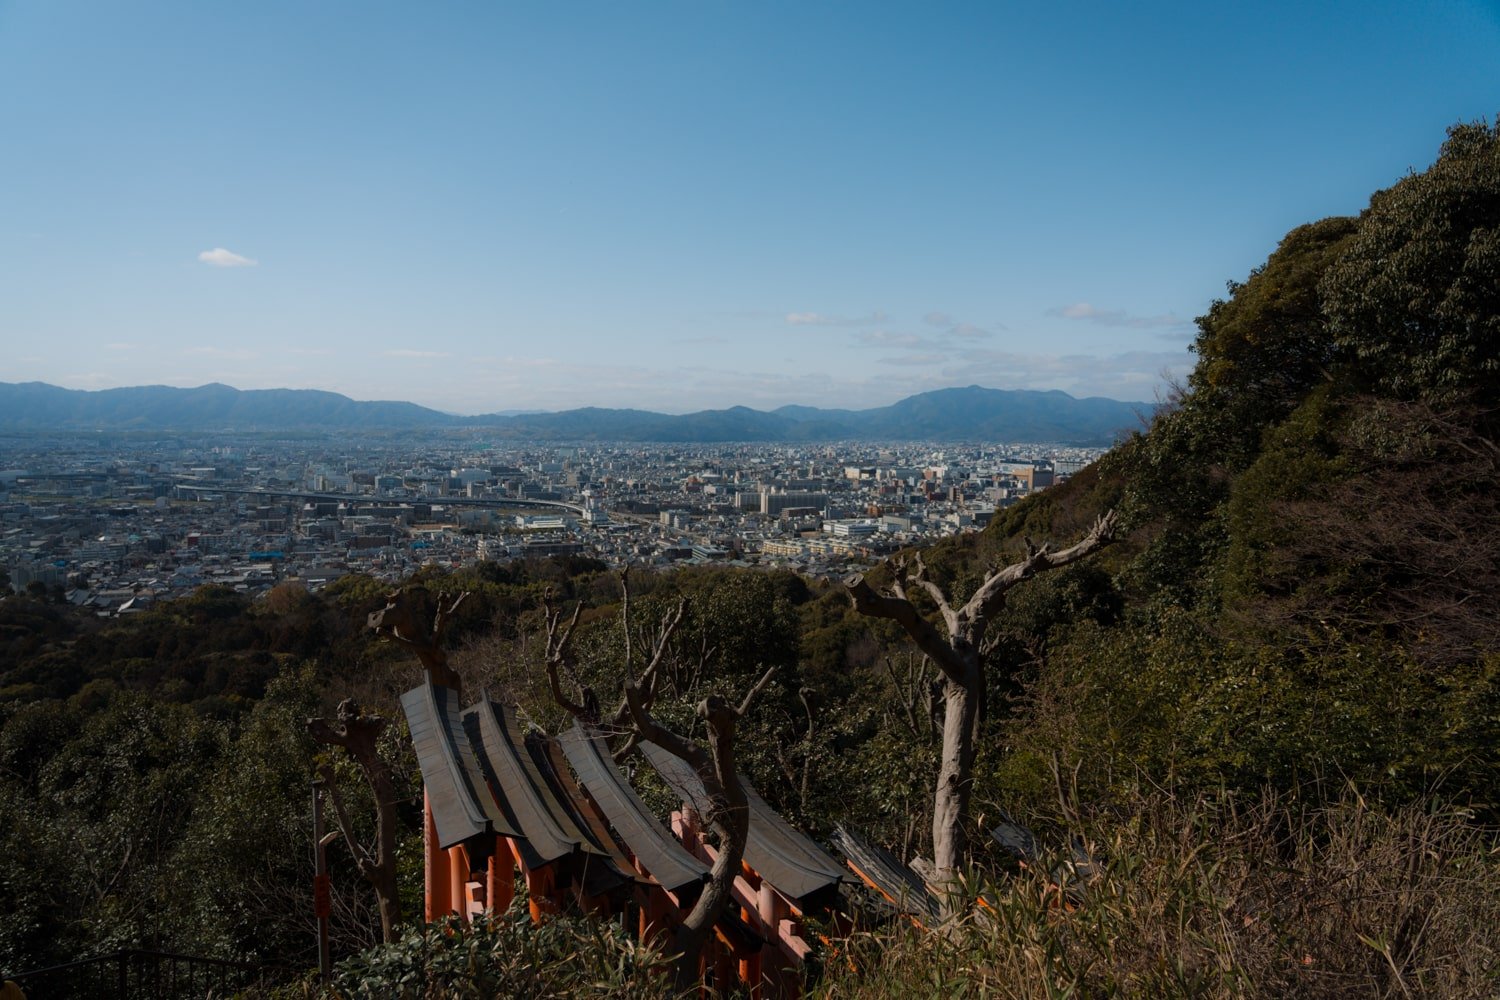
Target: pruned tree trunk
(412, 618)
(728, 815)
(957, 654)
(358, 734)
(955, 780)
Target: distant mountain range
(972, 413)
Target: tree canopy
(1415, 297)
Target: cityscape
(114, 523)
(769, 500)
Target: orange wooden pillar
(770, 909)
(599, 907)
(750, 974)
(458, 879)
(656, 920)
(541, 893)
(437, 898)
(722, 955)
(500, 878)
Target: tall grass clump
(1283, 896)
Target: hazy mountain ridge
(943, 414)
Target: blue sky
(674, 206)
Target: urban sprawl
(115, 523)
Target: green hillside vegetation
(1269, 712)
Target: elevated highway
(379, 501)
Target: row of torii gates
(498, 800)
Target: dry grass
(1223, 899)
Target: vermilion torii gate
(498, 801)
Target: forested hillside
(1267, 713)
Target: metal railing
(138, 974)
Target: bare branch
(650, 730)
(625, 613)
(669, 622)
(760, 685)
(904, 695)
(899, 610)
(647, 683)
(558, 655)
(574, 709)
(934, 591)
(410, 619)
(632, 740)
(445, 614)
(990, 596)
(560, 644)
(362, 856)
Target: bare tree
(728, 808)
(959, 655)
(412, 618)
(358, 733)
(801, 779)
(728, 813)
(916, 692)
(559, 658)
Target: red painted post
(541, 891)
(435, 899)
(322, 908)
(458, 879)
(500, 886)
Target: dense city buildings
(115, 522)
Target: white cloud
(1129, 375)
(219, 257)
(886, 338)
(408, 353)
(1082, 310)
(822, 319)
(1115, 317)
(954, 327)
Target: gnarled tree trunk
(358, 733)
(957, 655)
(728, 815)
(412, 618)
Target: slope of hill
(1311, 578)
